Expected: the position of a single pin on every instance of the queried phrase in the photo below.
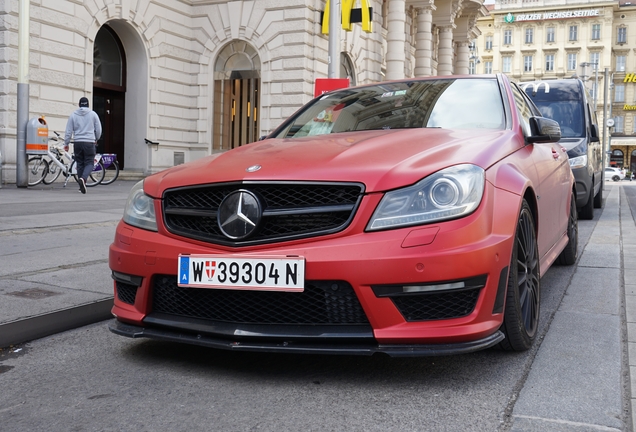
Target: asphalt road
(90, 379)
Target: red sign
(324, 85)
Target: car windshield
(562, 104)
(441, 103)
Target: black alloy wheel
(521, 313)
(616, 178)
(587, 211)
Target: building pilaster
(396, 40)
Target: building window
(572, 61)
(596, 31)
(507, 64)
(488, 42)
(620, 63)
(619, 124)
(549, 34)
(527, 63)
(573, 32)
(549, 62)
(529, 35)
(621, 35)
(595, 59)
(507, 37)
(488, 67)
(619, 93)
(471, 67)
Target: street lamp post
(586, 77)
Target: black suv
(568, 102)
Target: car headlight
(140, 209)
(448, 194)
(578, 162)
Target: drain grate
(33, 293)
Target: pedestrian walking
(85, 128)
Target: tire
(570, 253)
(52, 174)
(523, 295)
(96, 176)
(587, 211)
(616, 178)
(598, 198)
(111, 173)
(37, 168)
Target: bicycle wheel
(111, 173)
(97, 175)
(38, 167)
(52, 173)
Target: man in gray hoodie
(86, 128)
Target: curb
(39, 326)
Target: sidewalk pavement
(54, 273)
(579, 379)
(54, 276)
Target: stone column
(445, 51)
(462, 62)
(424, 42)
(396, 40)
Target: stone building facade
(203, 76)
(545, 39)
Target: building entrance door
(109, 91)
(110, 107)
(236, 109)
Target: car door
(552, 167)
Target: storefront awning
(623, 142)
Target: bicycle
(37, 168)
(60, 162)
(111, 168)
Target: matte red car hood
(382, 160)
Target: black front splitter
(291, 347)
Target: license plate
(262, 274)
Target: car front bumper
(478, 245)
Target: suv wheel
(587, 211)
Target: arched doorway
(616, 158)
(346, 69)
(109, 91)
(632, 161)
(236, 96)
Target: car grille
(126, 292)
(322, 302)
(290, 210)
(437, 306)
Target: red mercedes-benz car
(410, 217)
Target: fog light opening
(429, 288)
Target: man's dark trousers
(84, 157)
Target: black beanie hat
(83, 102)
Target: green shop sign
(539, 16)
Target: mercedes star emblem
(239, 214)
(253, 168)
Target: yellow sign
(630, 77)
(347, 7)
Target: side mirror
(594, 132)
(544, 130)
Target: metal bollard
(0, 170)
